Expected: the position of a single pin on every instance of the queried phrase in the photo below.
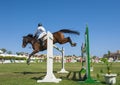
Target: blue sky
(20, 17)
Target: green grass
(22, 74)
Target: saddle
(41, 40)
(44, 37)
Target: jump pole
(50, 77)
(82, 54)
(63, 62)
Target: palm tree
(108, 55)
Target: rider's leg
(40, 38)
(41, 41)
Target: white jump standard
(50, 77)
(63, 61)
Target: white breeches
(42, 34)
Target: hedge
(12, 58)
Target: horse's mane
(30, 35)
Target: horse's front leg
(28, 60)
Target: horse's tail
(69, 31)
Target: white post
(49, 76)
(63, 62)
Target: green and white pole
(87, 51)
(89, 79)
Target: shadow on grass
(81, 77)
(72, 76)
(42, 76)
(103, 82)
(25, 72)
(38, 78)
(34, 78)
(76, 76)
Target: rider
(40, 33)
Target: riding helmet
(39, 24)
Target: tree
(94, 57)
(108, 54)
(3, 50)
(9, 52)
(21, 53)
(18, 53)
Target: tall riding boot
(41, 42)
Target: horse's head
(26, 40)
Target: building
(114, 55)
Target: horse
(58, 37)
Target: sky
(21, 17)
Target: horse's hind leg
(59, 37)
(68, 39)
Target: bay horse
(58, 37)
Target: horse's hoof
(74, 44)
(28, 61)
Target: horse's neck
(32, 41)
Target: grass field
(22, 74)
